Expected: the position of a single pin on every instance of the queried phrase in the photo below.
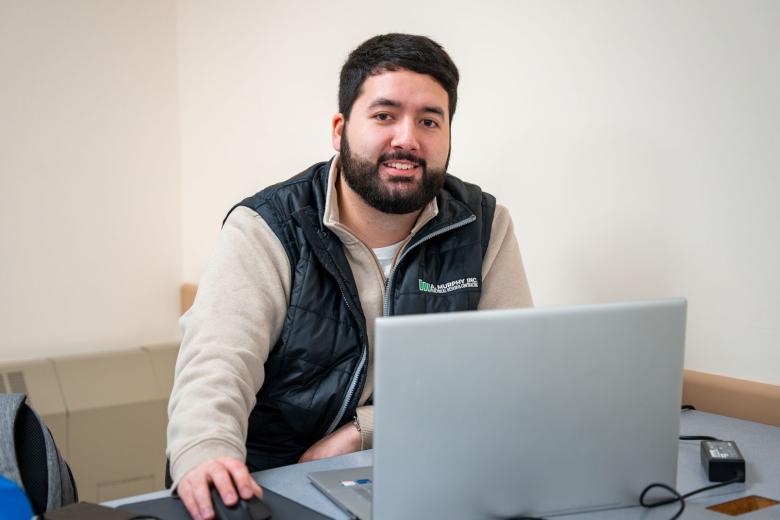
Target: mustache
(401, 155)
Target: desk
(759, 443)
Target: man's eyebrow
(384, 102)
(435, 110)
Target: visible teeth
(401, 166)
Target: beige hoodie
(238, 314)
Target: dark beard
(363, 177)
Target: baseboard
(758, 402)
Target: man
(276, 363)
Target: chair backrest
(30, 458)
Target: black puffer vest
(315, 373)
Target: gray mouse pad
(171, 508)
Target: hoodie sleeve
(504, 284)
(236, 319)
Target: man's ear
(337, 127)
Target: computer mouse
(253, 509)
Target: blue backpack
(30, 459)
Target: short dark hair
(391, 52)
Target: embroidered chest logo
(454, 285)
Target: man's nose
(405, 136)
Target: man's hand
(222, 473)
(344, 440)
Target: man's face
(395, 147)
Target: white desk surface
(759, 444)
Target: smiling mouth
(401, 166)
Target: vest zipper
(385, 312)
(389, 283)
(353, 383)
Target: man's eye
(384, 116)
(430, 123)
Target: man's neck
(373, 227)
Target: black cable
(681, 498)
(697, 438)
(687, 407)
(670, 489)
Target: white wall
(89, 176)
(634, 142)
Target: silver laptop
(536, 412)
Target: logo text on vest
(454, 285)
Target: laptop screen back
(530, 411)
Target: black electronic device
(723, 461)
(252, 509)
